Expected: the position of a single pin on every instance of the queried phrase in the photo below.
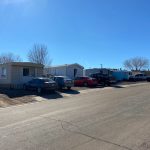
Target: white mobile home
(69, 70)
(88, 72)
(15, 74)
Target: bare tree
(136, 63)
(39, 54)
(9, 57)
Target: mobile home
(15, 74)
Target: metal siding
(88, 72)
(59, 71)
(120, 75)
(64, 70)
(70, 71)
(7, 80)
(17, 74)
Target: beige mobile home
(69, 70)
(15, 74)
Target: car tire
(85, 84)
(69, 88)
(60, 88)
(52, 91)
(39, 90)
(103, 83)
(108, 84)
(24, 87)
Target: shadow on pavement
(53, 95)
(72, 91)
(100, 86)
(14, 93)
(117, 86)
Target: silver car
(138, 77)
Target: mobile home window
(4, 73)
(25, 71)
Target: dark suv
(63, 82)
(40, 84)
(103, 78)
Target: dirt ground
(14, 97)
(17, 97)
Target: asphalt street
(110, 119)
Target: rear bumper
(69, 85)
(50, 88)
(93, 84)
(113, 81)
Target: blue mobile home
(121, 75)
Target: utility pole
(66, 69)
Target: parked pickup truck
(138, 77)
(103, 78)
(85, 81)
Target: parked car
(132, 78)
(41, 84)
(85, 81)
(63, 82)
(148, 78)
(138, 77)
(103, 78)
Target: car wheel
(60, 88)
(24, 87)
(69, 88)
(85, 84)
(108, 84)
(103, 83)
(52, 91)
(39, 90)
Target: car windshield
(66, 78)
(91, 78)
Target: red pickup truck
(85, 81)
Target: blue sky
(90, 32)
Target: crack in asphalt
(82, 144)
(78, 131)
(89, 136)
